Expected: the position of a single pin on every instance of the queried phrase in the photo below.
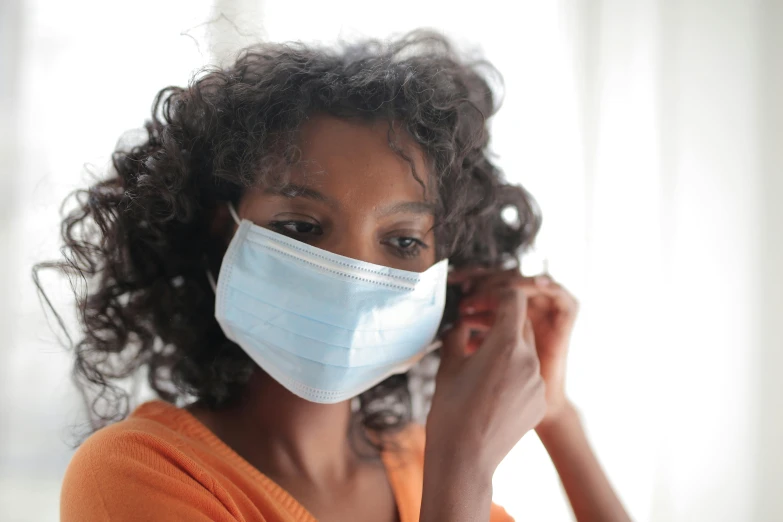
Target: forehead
(352, 159)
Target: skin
(544, 312)
(503, 364)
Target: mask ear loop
(211, 280)
(235, 216)
(233, 213)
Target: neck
(284, 435)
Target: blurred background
(651, 132)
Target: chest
(366, 497)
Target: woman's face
(352, 195)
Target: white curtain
(651, 133)
(677, 365)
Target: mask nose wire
(238, 221)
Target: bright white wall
(83, 74)
(769, 450)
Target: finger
(509, 319)
(529, 338)
(475, 342)
(528, 333)
(479, 325)
(484, 277)
(493, 278)
(466, 277)
(475, 279)
(552, 296)
(500, 279)
(479, 303)
(478, 279)
(544, 285)
(454, 343)
(486, 299)
(549, 295)
(513, 275)
(479, 322)
(460, 275)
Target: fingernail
(542, 280)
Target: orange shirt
(161, 463)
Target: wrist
(457, 460)
(557, 420)
(457, 452)
(457, 486)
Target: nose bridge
(356, 248)
(357, 241)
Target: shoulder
(412, 437)
(143, 437)
(129, 439)
(139, 457)
(406, 446)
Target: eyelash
(280, 226)
(411, 252)
(407, 253)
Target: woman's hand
(545, 317)
(551, 309)
(486, 401)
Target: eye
(297, 228)
(405, 242)
(406, 246)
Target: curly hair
(143, 237)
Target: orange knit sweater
(163, 464)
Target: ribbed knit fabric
(161, 463)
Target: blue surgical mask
(325, 326)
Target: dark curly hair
(143, 238)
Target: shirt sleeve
(135, 477)
(498, 514)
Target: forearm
(455, 489)
(589, 492)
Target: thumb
(528, 333)
(455, 342)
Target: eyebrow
(294, 190)
(409, 207)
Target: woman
(274, 258)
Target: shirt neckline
(188, 424)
